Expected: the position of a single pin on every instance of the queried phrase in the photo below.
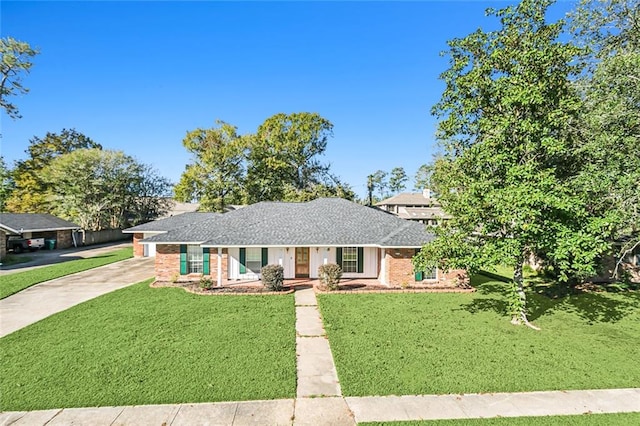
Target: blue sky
(136, 76)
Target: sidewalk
(42, 300)
(366, 409)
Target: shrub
(206, 283)
(175, 277)
(272, 277)
(330, 275)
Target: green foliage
(447, 343)
(272, 277)
(154, 346)
(103, 189)
(508, 128)
(205, 283)
(30, 194)
(15, 59)
(329, 275)
(397, 180)
(216, 174)
(422, 179)
(7, 184)
(13, 283)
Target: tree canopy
(15, 60)
(508, 120)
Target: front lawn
(442, 343)
(13, 283)
(141, 345)
(621, 419)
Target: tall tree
(103, 189)
(508, 115)
(397, 180)
(380, 183)
(30, 191)
(285, 152)
(215, 176)
(422, 179)
(610, 32)
(15, 60)
(6, 183)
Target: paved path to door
(42, 300)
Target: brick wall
(138, 249)
(399, 270)
(213, 264)
(3, 244)
(167, 261)
(63, 239)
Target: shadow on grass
(544, 299)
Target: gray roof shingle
(172, 222)
(321, 222)
(34, 222)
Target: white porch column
(219, 266)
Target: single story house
(39, 225)
(162, 226)
(365, 242)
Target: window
(429, 275)
(350, 259)
(254, 260)
(194, 259)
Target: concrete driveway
(47, 298)
(42, 258)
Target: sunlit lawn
(13, 283)
(440, 343)
(622, 419)
(152, 346)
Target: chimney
(426, 193)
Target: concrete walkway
(366, 409)
(319, 398)
(42, 300)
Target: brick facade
(167, 264)
(64, 239)
(399, 271)
(3, 244)
(138, 249)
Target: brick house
(365, 242)
(40, 225)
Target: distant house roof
(321, 222)
(34, 222)
(409, 199)
(177, 207)
(172, 222)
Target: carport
(40, 225)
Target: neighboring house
(418, 206)
(365, 242)
(162, 226)
(40, 225)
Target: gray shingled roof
(34, 222)
(321, 222)
(172, 222)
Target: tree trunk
(520, 317)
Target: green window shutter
(265, 256)
(183, 259)
(360, 260)
(418, 274)
(205, 260)
(243, 260)
(339, 256)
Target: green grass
(141, 345)
(621, 419)
(13, 283)
(441, 343)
